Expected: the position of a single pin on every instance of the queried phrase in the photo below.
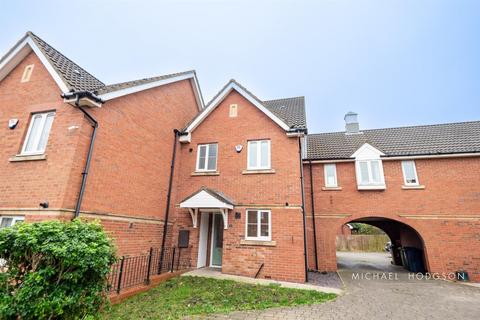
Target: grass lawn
(182, 296)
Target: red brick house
(239, 178)
(46, 147)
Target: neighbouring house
(45, 141)
(239, 180)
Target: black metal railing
(131, 271)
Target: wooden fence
(362, 242)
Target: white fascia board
(198, 93)
(20, 52)
(367, 151)
(306, 161)
(146, 86)
(246, 95)
(204, 200)
(295, 134)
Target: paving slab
(371, 293)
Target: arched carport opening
(407, 248)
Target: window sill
(419, 187)
(261, 171)
(20, 157)
(205, 173)
(377, 187)
(331, 188)
(263, 243)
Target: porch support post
(194, 215)
(225, 218)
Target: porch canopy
(207, 200)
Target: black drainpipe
(169, 196)
(89, 157)
(313, 217)
(303, 209)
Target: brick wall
(446, 214)
(269, 191)
(128, 180)
(26, 184)
(131, 163)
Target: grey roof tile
(450, 138)
(291, 111)
(74, 76)
(124, 85)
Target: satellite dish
(238, 148)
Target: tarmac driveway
(377, 290)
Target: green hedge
(54, 270)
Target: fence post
(173, 260)
(120, 275)
(178, 259)
(147, 281)
(160, 261)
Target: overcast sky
(395, 62)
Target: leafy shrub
(54, 270)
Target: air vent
(233, 110)
(27, 73)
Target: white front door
(203, 239)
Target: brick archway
(400, 231)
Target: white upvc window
(370, 173)
(330, 171)
(38, 132)
(8, 221)
(207, 157)
(258, 225)
(410, 177)
(258, 155)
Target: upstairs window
(38, 132)
(410, 177)
(370, 173)
(330, 175)
(259, 155)
(207, 157)
(259, 226)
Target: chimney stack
(351, 123)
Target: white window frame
(15, 219)
(207, 149)
(370, 184)
(259, 237)
(259, 151)
(414, 170)
(36, 139)
(335, 185)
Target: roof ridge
(288, 98)
(150, 78)
(400, 127)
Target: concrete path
(378, 290)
